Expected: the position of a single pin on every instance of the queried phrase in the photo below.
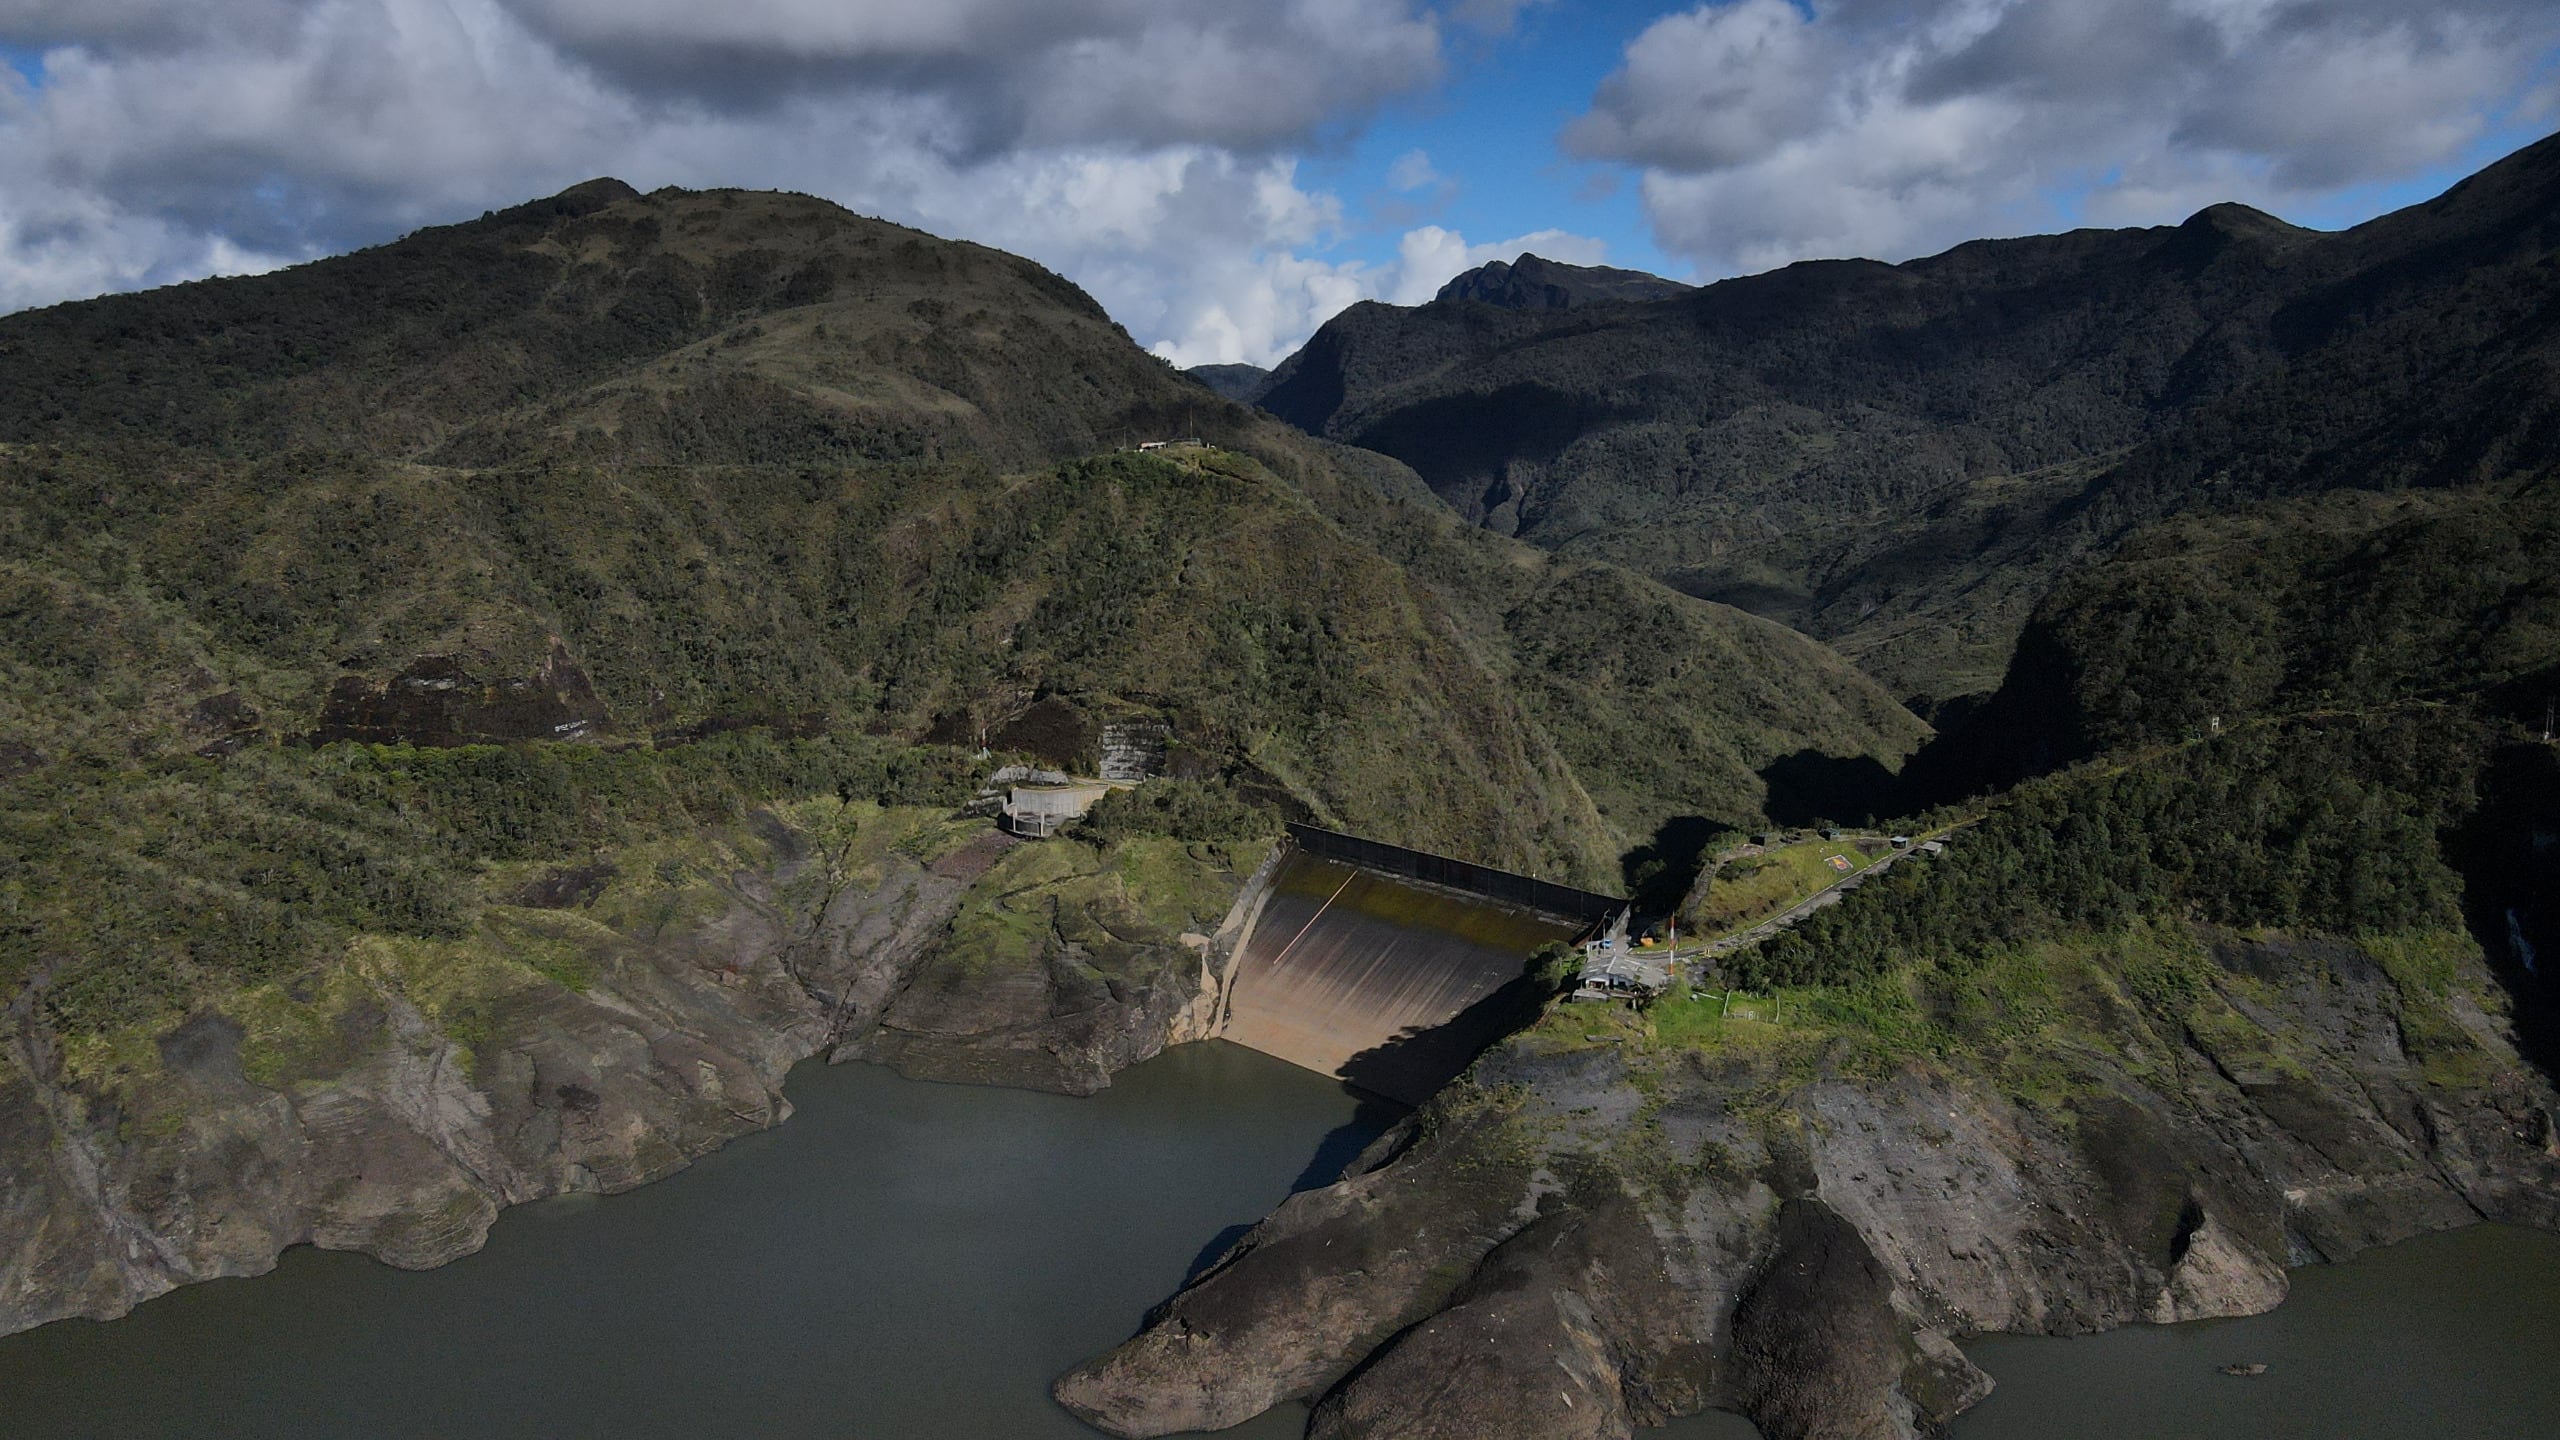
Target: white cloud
(1767, 132)
(1138, 146)
(1412, 171)
(1431, 257)
(1267, 303)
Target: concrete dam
(1390, 968)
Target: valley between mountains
(478, 710)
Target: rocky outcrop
(1103, 991)
(1580, 1239)
(437, 700)
(1534, 282)
(381, 1129)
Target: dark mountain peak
(2240, 221)
(1534, 282)
(601, 312)
(578, 201)
(1236, 382)
(603, 190)
(2231, 229)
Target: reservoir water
(2455, 1334)
(903, 1261)
(898, 1261)
(2447, 1335)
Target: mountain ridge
(1533, 282)
(1900, 458)
(663, 464)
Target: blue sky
(1220, 175)
(1492, 131)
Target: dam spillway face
(1391, 985)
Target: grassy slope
(1746, 890)
(2097, 920)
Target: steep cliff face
(1610, 1223)
(395, 1107)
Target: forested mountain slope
(2242, 962)
(474, 712)
(609, 468)
(1901, 458)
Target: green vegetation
(1180, 810)
(1903, 459)
(2310, 825)
(718, 507)
(134, 894)
(1117, 908)
(2346, 602)
(612, 465)
(1747, 889)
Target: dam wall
(1378, 979)
(1501, 885)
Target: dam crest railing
(1528, 892)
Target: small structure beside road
(1037, 812)
(1622, 975)
(1612, 969)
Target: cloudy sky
(1224, 174)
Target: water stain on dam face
(1390, 985)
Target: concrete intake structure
(1389, 983)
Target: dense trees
(2314, 824)
(132, 893)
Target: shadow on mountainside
(1808, 787)
(2508, 854)
(1659, 872)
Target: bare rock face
(1328, 1278)
(392, 1137)
(1063, 1027)
(403, 1142)
(1579, 1240)
(1553, 1335)
(438, 700)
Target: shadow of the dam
(1391, 986)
